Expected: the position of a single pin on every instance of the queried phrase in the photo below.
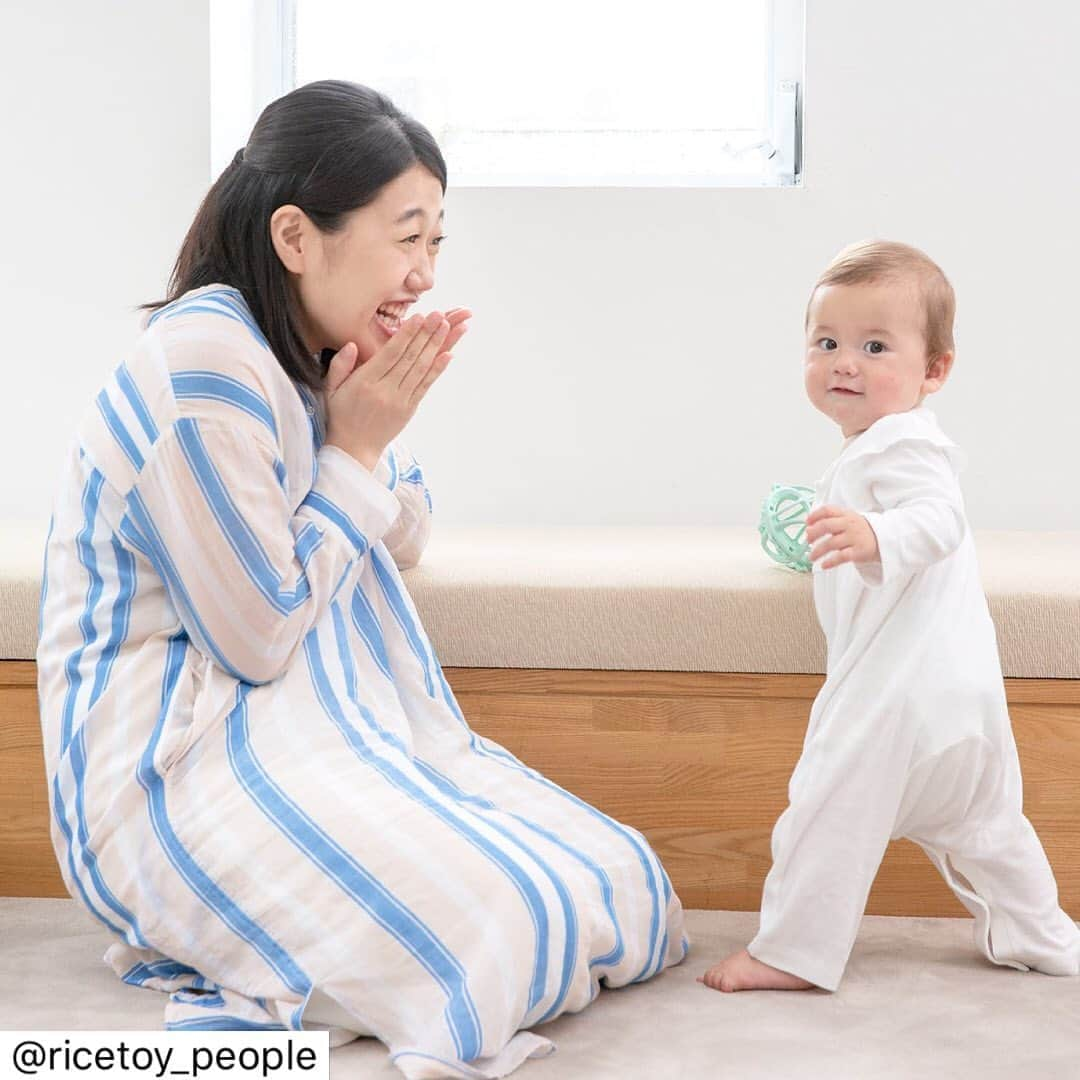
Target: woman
(260, 780)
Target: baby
(910, 735)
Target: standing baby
(910, 735)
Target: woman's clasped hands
(369, 403)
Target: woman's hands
(367, 405)
(849, 536)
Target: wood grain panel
(27, 864)
(699, 762)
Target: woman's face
(357, 284)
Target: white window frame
(253, 61)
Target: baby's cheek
(814, 380)
(886, 384)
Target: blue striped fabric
(261, 782)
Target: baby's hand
(848, 535)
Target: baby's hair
(873, 261)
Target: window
(568, 93)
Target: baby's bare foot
(740, 971)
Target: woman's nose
(421, 278)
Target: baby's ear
(937, 371)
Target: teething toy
(783, 525)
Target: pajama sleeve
(921, 519)
(399, 471)
(247, 576)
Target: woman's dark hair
(328, 147)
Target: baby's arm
(921, 519)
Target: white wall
(635, 355)
(107, 142)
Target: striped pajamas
(260, 781)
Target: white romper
(910, 734)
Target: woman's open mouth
(388, 317)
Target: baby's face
(866, 352)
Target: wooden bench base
(699, 762)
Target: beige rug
(917, 1002)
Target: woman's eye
(826, 344)
(437, 241)
(874, 347)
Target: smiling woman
(281, 226)
(260, 780)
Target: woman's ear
(293, 236)
(937, 372)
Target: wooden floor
(698, 762)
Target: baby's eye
(875, 347)
(826, 344)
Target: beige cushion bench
(648, 599)
(698, 599)
(664, 674)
